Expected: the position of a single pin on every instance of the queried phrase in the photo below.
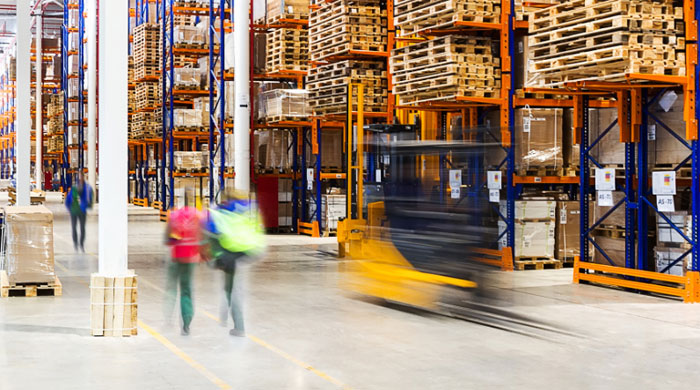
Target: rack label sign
(605, 198)
(663, 182)
(665, 203)
(605, 179)
(495, 196)
(309, 179)
(495, 180)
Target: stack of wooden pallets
(524, 8)
(340, 27)
(287, 49)
(414, 16)
(328, 92)
(605, 40)
(278, 10)
(147, 51)
(446, 68)
(145, 124)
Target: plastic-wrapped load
(29, 251)
(538, 138)
(285, 104)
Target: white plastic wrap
(30, 256)
(286, 103)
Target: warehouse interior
(470, 193)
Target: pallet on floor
(8, 289)
(536, 263)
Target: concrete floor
(304, 332)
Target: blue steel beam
(584, 184)
(642, 187)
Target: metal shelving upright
(67, 30)
(633, 101)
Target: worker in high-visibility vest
(236, 236)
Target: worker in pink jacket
(184, 236)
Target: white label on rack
(494, 180)
(538, 180)
(651, 133)
(455, 177)
(309, 179)
(663, 183)
(454, 192)
(605, 198)
(605, 179)
(526, 124)
(378, 175)
(665, 203)
(495, 196)
(563, 217)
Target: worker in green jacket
(235, 236)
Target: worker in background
(184, 236)
(236, 236)
(78, 201)
(48, 178)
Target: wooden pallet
(8, 289)
(417, 16)
(537, 263)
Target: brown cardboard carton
(331, 148)
(669, 151)
(538, 134)
(568, 229)
(617, 218)
(613, 247)
(30, 256)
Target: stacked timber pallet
(113, 308)
(287, 49)
(55, 114)
(524, 8)
(446, 68)
(327, 86)
(341, 27)
(146, 73)
(605, 40)
(415, 16)
(145, 124)
(278, 10)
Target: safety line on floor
(170, 346)
(182, 355)
(266, 345)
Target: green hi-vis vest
(238, 232)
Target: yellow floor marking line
(182, 355)
(172, 347)
(253, 338)
(287, 356)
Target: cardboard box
(613, 247)
(286, 103)
(538, 138)
(568, 229)
(666, 256)
(665, 234)
(532, 209)
(188, 161)
(617, 218)
(534, 239)
(332, 148)
(609, 150)
(333, 207)
(29, 251)
(668, 150)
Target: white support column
(39, 131)
(92, 92)
(241, 131)
(23, 88)
(114, 38)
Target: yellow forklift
(408, 243)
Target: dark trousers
(74, 218)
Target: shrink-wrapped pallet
(29, 251)
(538, 134)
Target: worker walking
(78, 201)
(236, 236)
(184, 236)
